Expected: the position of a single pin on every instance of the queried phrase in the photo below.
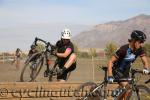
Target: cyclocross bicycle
(35, 62)
(99, 91)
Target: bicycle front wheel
(32, 67)
(87, 91)
(142, 93)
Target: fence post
(93, 69)
(3, 58)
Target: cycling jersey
(61, 48)
(125, 57)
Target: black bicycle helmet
(138, 35)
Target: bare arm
(65, 54)
(145, 61)
(110, 64)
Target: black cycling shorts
(64, 76)
(119, 74)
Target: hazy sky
(27, 13)
(69, 11)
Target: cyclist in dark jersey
(120, 63)
(66, 56)
(32, 50)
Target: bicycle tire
(26, 73)
(85, 92)
(143, 93)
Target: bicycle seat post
(105, 71)
(105, 82)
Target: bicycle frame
(46, 51)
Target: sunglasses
(141, 42)
(65, 39)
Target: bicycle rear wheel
(32, 67)
(86, 91)
(142, 93)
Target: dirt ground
(83, 73)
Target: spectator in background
(17, 58)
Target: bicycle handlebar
(38, 39)
(132, 71)
(45, 42)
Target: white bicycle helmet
(66, 34)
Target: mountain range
(115, 31)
